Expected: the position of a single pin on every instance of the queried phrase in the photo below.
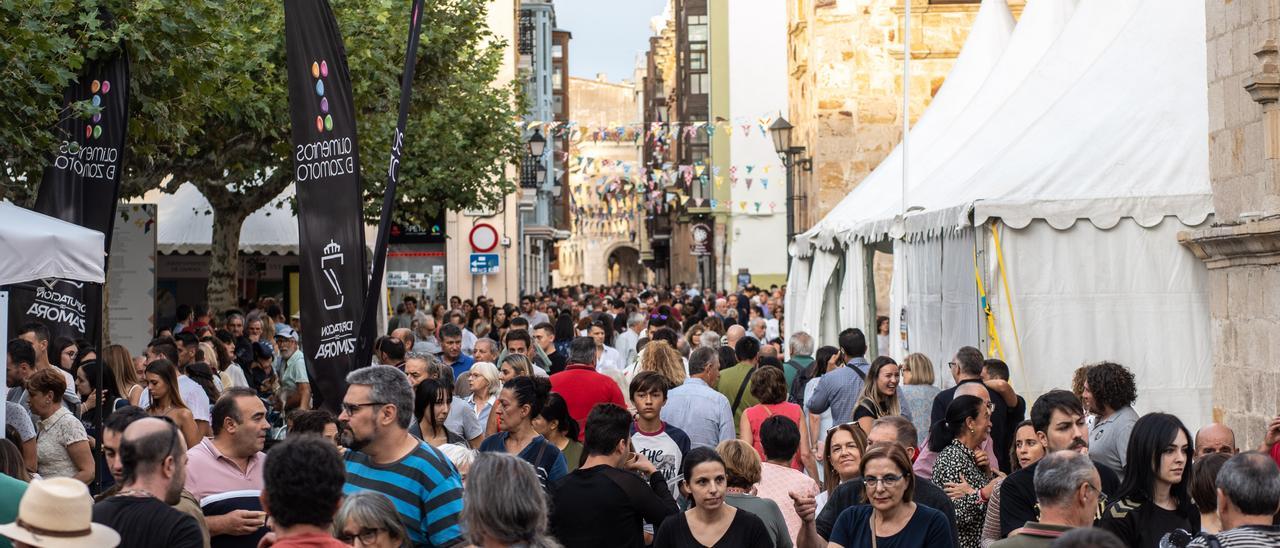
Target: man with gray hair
(625, 342)
(425, 333)
(1248, 497)
(384, 458)
(486, 350)
(1068, 488)
(696, 407)
(709, 339)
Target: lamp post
(790, 155)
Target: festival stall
(1041, 221)
(40, 247)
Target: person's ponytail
(943, 432)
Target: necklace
(135, 493)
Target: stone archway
(622, 264)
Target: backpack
(803, 376)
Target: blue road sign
(484, 263)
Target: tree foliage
(209, 102)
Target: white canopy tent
(36, 247)
(987, 42)
(1108, 126)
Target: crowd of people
(598, 416)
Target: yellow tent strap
(1004, 281)
(994, 349)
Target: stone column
(1242, 248)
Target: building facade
(845, 63)
(715, 77)
(1242, 247)
(606, 187)
(539, 179)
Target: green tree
(222, 121)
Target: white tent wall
(940, 295)
(797, 292)
(855, 304)
(816, 310)
(1128, 294)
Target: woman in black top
(879, 393)
(431, 400)
(710, 522)
(1154, 499)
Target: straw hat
(58, 513)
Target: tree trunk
(224, 263)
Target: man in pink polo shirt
(225, 473)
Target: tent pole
(906, 100)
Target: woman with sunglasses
(1154, 500)
(957, 438)
(842, 458)
(890, 517)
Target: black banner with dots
(327, 175)
(80, 185)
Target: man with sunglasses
(1068, 488)
(383, 457)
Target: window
(698, 56)
(697, 28)
(699, 83)
(557, 51)
(557, 79)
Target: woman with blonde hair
(915, 395)
(742, 470)
(121, 363)
(485, 385)
(514, 365)
(659, 357)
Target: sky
(607, 34)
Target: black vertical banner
(327, 175)
(81, 185)
(368, 319)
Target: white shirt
(468, 342)
(609, 358)
(193, 397)
(625, 344)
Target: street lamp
(790, 155)
(540, 174)
(781, 131)
(537, 144)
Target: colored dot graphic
(98, 88)
(320, 71)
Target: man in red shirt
(581, 386)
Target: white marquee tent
(1056, 191)
(37, 246)
(184, 223)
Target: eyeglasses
(953, 364)
(367, 535)
(888, 481)
(352, 408)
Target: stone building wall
(1242, 248)
(845, 63)
(586, 256)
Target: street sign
(484, 237)
(484, 263)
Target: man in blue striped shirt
(382, 457)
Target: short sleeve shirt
(295, 372)
(16, 416)
(55, 434)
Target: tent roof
(185, 223)
(988, 40)
(1110, 123)
(40, 246)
